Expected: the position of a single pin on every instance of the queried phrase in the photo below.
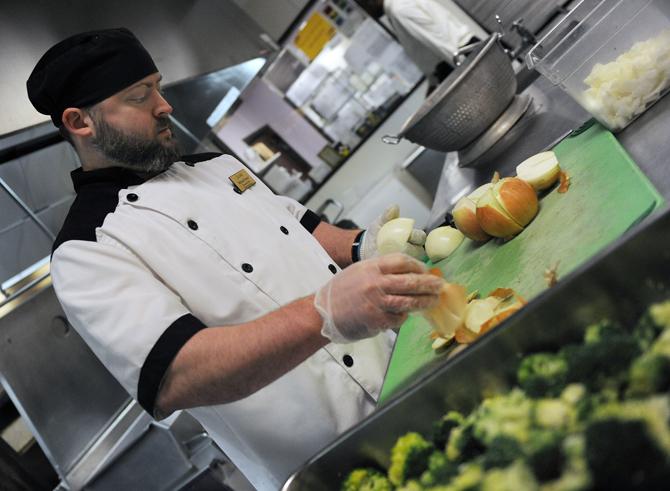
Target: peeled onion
(465, 215)
(540, 170)
(394, 235)
(441, 242)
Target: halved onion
(517, 198)
(493, 218)
(480, 191)
(441, 242)
(465, 219)
(540, 170)
(505, 209)
(465, 214)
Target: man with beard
(200, 289)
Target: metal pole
(24, 289)
(25, 208)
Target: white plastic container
(611, 56)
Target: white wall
(186, 38)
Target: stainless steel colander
(466, 103)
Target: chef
(429, 33)
(200, 289)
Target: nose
(163, 107)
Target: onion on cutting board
(505, 209)
(540, 171)
(465, 214)
(441, 242)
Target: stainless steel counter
(551, 116)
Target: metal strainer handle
(391, 139)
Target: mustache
(163, 124)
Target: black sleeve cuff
(161, 355)
(310, 221)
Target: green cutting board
(608, 194)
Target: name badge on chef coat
(242, 181)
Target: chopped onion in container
(621, 90)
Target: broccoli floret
(502, 451)
(516, 477)
(544, 454)
(661, 346)
(462, 444)
(660, 314)
(409, 458)
(622, 455)
(509, 415)
(648, 375)
(590, 402)
(411, 485)
(576, 475)
(654, 411)
(628, 444)
(440, 470)
(469, 478)
(366, 479)
(602, 364)
(652, 323)
(601, 331)
(442, 427)
(573, 394)
(542, 374)
(554, 414)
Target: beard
(135, 152)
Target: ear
(77, 122)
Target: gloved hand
(374, 295)
(368, 247)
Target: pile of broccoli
(592, 415)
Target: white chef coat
(182, 251)
(427, 31)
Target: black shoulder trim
(161, 355)
(310, 221)
(87, 212)
(199, 157)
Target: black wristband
(356, 247)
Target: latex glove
(374, 295)
(369, 241)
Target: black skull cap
(87, 68)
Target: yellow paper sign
(242, 180)
(314, 35)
